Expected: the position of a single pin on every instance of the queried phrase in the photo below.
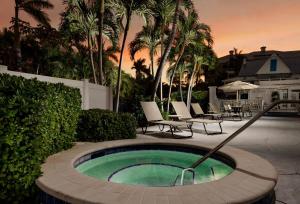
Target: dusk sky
(246, 25)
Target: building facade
(276, 72)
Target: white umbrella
(237, 86)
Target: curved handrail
(241, 129)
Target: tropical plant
(34, 9)
(190, 32)
(163, 14)
(125, 9)
(179, 74)
(141, 70)
(189, 5)
(202, 55)
(108, 26)
(149, 39)
(84, 20)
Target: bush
(102, 125)
(36, 120)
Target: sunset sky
(246, 25)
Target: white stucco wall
(92, 95)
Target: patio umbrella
(237, 86)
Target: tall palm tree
(125, 9)
(181, 70)
(202, 55)
(84, 20)
(34, 9)
(100, 40)
(166, 50)
(163, 14)
(106, 20)
(190, 32)
(188, 4)
(149, 39)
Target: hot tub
(149, 171)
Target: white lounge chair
(199, 112)
(154, 116)
(184, 115)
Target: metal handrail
(233, 135)
(183, 172)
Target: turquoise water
(152, 168)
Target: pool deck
(276, 139)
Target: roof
(255, 60)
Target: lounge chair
(199, 112)
(154, 116)
(213, 109)
(184, 115)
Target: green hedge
(102, 125)
(36, 120)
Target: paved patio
(276, 139)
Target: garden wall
(92, 95)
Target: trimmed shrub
(102, 125)
(37, 119)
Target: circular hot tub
(154, 165)
(150, 171)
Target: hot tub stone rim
(61, 180)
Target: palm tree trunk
(118, 89)
(152, 62)
(17, 44)
(170, 92)
(189, 94)
(166, 52)
(161, 53)
(100, 42)
(180, 86)
(92, 59)
(172, 76)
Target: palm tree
(202, 55)
(166, 50)
(100, 40)
(181, 70)
(163, 14)
(125, 9)
(188, 4)
(141, 70)
(84, 20)
(190, 31)
(106, 21)
(149, 39)
(34, 9)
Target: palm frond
(37, 14)
(38, 4)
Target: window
(273, 65)
(244, 95)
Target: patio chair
(184, 115)
(154, 116)
(247, 110)
(199, 112)
(234, 112)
